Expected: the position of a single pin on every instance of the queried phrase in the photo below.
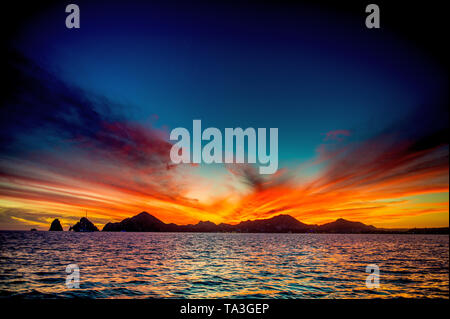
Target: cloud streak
(364, 179)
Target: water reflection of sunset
(214, 265)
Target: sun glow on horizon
(386, 199)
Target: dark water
(188, 265)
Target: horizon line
(258, 219)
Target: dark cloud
(39, 109)
(249, 175)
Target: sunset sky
(362, 117)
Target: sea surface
(222, 265)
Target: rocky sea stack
(84, 225)
(56, 225)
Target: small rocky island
(84, 225)
(56, 225)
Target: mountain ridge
(283, 223)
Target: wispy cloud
(336, 135)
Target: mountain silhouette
(345, 226)
(277, 224)
(84, 225)
(145, 222)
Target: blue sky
(306, 73)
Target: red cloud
(336, 135)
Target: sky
(362, 117)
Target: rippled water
(205, 265)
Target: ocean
(222, 265)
